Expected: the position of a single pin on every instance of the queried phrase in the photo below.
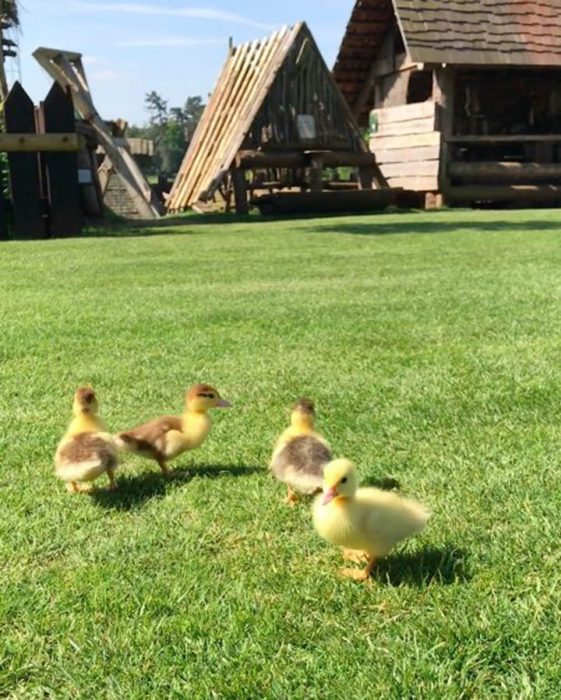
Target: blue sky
(173, 46)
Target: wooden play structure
(462, 97)
(120, 174)
(275, 132)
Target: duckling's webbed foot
(291, 497)
(355, 574)
(113, 486)
(75, 487)
(355, 555)
(360, 574)
(164, 467)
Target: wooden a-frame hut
(462, 97)
(275, 121)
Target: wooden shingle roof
(480, 32)
(489, 32)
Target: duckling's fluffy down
(374, 521)
(300, 462)
(85, 457)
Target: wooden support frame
(66, 68)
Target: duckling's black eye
(344, 480)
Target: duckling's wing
(389, 518)
(300, 463)
(149, 438)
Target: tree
(171, 129)
(157, 107)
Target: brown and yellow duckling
(300, 453)
(86, 451)
(167, 437)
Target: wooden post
(27, 203)
(62, 168)
(239, 184)
(444, 83)
(316, 172)
(365, 178)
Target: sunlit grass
(430, 343)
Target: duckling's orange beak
(222, 403)
(328, 496)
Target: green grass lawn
(431, 344)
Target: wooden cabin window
(420, 86)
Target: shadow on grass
(134, 490)
(445, 565)
(188, 223)
(411, 225)
(386, 483)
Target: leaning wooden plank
(181, 185)
(223, 128)
(214, 115)
(244, 100)
(34, 143)
(271, 60)
(379, 142)
(62, 168)
(27, 202)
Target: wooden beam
(248, 160)
(327, 201)
(38, 143)
(506, 138)
(506, 172)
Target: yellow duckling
(86, 451)
(300, 453)
(167, 437)
(366, 522)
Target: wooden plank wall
(42, 157)
(407, 146)
(65, 215)
(27, 208)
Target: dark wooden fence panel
(27, 202)
(62, 168)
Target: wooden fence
(42, 146)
